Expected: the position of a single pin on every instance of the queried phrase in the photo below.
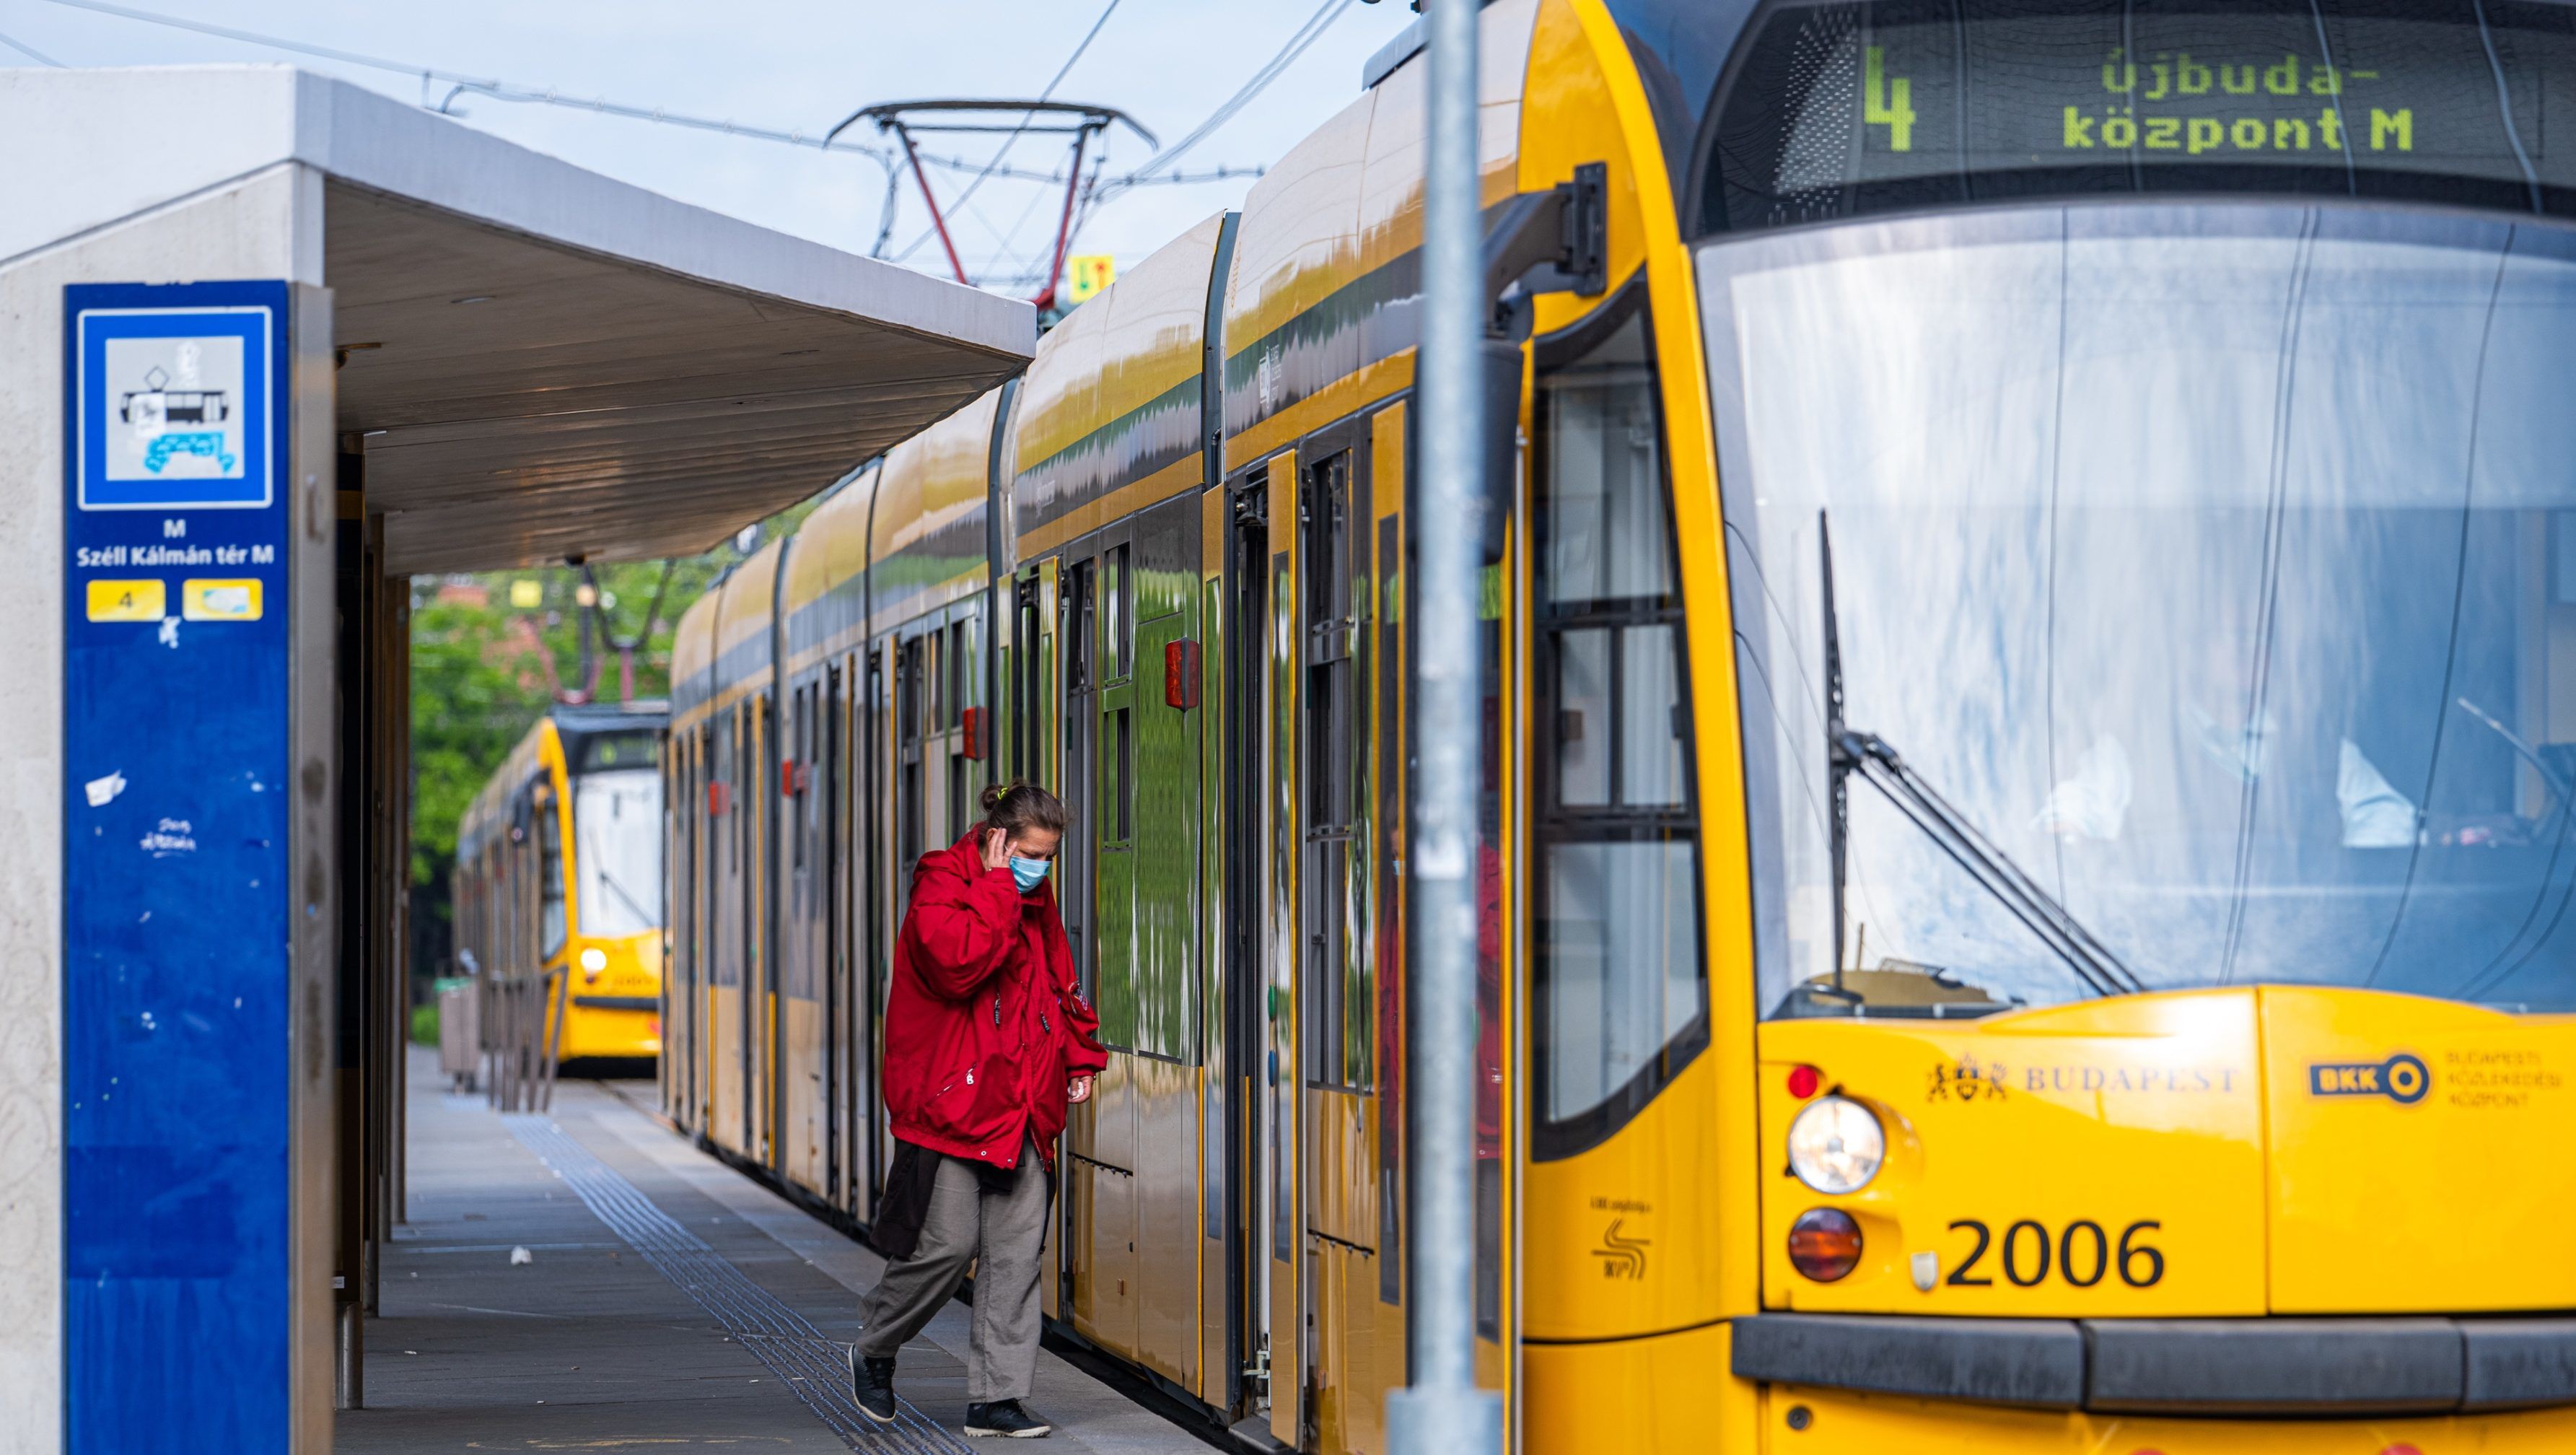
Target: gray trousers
(1003, 1236)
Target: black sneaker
(1005, 1418)
(872, 1386)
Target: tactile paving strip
(814, 1366)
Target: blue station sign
(176, 1078)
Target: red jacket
(984, 1024)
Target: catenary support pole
(1443, 1411)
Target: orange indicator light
(1824, 1243)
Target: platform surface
(590, 1344)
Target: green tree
(476, 688)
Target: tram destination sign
(1843, 108)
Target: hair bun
(1020, 805)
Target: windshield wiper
(1877, 761)
(611, 881)
(2529, 754)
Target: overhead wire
(1094, 191)
(31, 53)
(1296, 45)
(1270, 70)
(1016, 132)
(493, 87)
(501, 90)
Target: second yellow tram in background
(559, 867)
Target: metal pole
(349, 1362)
(1443, 1410)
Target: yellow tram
(559, 867)
(2027, 836)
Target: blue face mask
(1028, 873)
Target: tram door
(880, 907)
(1260, 945)
(1033, 751)
(1132, 781)
(1077, 643)
(760, 980)
(841, 1077)
(728, 1031)
(705, 852)
(684, 805)
(1347, 1271)
(684, 809)
(801, 1077)
(1095, 866)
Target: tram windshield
(617, 851)
(2216, 563)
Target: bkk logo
(2401, 1078)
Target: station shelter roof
(542, 361)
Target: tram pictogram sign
(171, 407)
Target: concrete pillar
(136, 1357)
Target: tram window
(961, 695)
(1025, 650)
(1335, 981)
(803, 757)
(617, 850)
(1116, 614)
(954, 676)
(1622, 999)
(1119, 781)
(1622, 969)
(1608, 537)
(909, 707)
(1582, 717)
(1650, 717)
(551, 924)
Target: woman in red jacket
(988, 1042)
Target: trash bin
(460, 1038)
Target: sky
(803, 65)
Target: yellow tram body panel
(2401, 1133)
(2151, 1113)
(2220, 1153)
(926, 539)
(632, 978)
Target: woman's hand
(997, 850)
(1077, 1091)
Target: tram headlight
(593, 961)
(1824, 1243)
(1835, 1146)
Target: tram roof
(543, 361)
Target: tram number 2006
(2081, 1254)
